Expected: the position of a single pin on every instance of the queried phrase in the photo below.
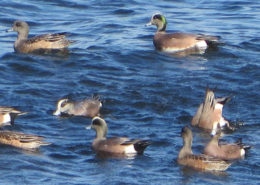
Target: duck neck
(101, 133)
(186, 149)
(161, 26)
(23, 35)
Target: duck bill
(88, 127)
(148, 24)
(56, 113)
(9, 30)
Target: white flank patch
(219, 106)
(222, 122)
(242, 152)
(202, 45)
(172, 50)
(7, 118)
(213, 133)
(130, 149)
(214, 129)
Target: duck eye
(157, 16)
(18, 24)
(63, 104)
(96, 122)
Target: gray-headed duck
(116, 145)
(86, 107)
(23, 44)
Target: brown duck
(176, 42)
(225, 151)
(201, 162)
(8, 115)
(209, 114)
(21, 140)
(87, 107)
(116, 145)
(23, 44)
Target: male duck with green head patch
(177, 42)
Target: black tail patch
(141, 145)
(13, 116)
(240, 143)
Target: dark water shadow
(64, 52)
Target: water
(146, 94)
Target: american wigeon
(86, 107)
(176, 42)
(201, 162)
(8, 115)
(225, 151)
(21, 140)
(209, 114)
(116, 145)
(46, 41)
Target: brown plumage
(176, 42)
(116, 145)
(209, 114)
(46, 41)
(225, 151)
(21, 140)
(201, 162)
(8, 115)
(87, 107)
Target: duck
(200, 162)
(209, 114)
(231, 151)
(115, 145)
(8, 115)
(178, 42)
(21, 140)
(23, 44)
(88, 107)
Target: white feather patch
(130, 149)
(219, 106)
(222, 122)
(242, 152)
(172, 50)
(214, 129)
(202, 45)
(7, 118)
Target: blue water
(146, 94)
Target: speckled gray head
(21, 27)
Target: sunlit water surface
(145, 94)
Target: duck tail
(141, 145)
(210, 40)
(242, 145)
(13, 115)
(224, 100)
